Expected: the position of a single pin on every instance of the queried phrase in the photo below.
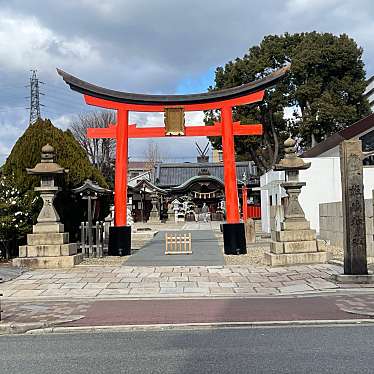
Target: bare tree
(153, 154)
(100, 151)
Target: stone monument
(295, 242)
(250, 230)
(48, 246)
(154, 215)
(170, 212)
(354, 229)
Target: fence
(92, 240)
(9, 247)
(254, 211)
(178, 244)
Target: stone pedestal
(292, 247)
(48, 247)
(295, 243)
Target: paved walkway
(181, 294)
(205, 251)
(171, 281)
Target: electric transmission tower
(34, 97)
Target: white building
(369, 92)
(323, 180)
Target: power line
(34, 97)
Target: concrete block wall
(331, 224)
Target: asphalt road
(261, 350)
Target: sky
(146, 46)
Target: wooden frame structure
(178, 244)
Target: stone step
(48, 238)
(50, 262)
(294, 247)
(48, 250)
(294, 236)
(288, 259)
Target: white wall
(323, 185)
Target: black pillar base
(119, 241)
(234, 239)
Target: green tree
(16, 209)
(68, 153)
(323, 89)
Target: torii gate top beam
(111, 99)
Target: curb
(327, 292)
(196, 326)
(21, 328)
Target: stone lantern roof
(47, 166)
(291, 162)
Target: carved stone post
(354, 242)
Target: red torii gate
(174, 107)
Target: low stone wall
(331, 224)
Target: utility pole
(34, 97)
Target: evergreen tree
(323, 89)
(68, 153)
(16, 209)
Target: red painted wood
(254, 211)
(247, 99)
(229, 167)
(120, 181)
(159, 132)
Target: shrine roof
(90, 89)
(172, 175)
(91, 187)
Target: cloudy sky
(147, 46)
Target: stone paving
(174, 281)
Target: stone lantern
(48, 246)
(295, 243)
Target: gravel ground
(255, 255)
(105, 261)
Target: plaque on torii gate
(174, 107)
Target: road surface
(348, 349)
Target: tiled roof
(139, 165)
(169, 175)
(347, 133)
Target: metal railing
(92, 240)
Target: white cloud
(25, 44)
(148, 46)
